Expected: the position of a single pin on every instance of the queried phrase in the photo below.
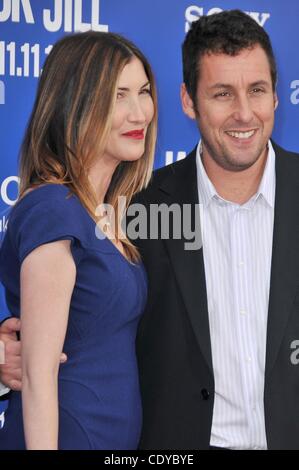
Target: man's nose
(243, 111)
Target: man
(216, 341)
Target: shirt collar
(207, 191)
(267, 184)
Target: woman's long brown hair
(71, 120)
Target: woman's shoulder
(49, 205)
(55, 199)
(47, 213)
(48, 194)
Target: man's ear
(187, 103)
(275, 100)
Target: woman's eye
(146, 91)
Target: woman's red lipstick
(135, 134)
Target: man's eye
(223, 94)
(257, 91)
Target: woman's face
(133, 112)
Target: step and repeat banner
(28, 28)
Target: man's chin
(241, 160)
(237, 165)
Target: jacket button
(205, 394)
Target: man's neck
(235, 186)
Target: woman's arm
(47, 280)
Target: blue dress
(99, 396)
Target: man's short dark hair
(228, 32)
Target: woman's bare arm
(47, 280)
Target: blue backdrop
(29, 27)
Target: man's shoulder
(281, 152)
(168, 179)
(174, 168)
(168, 176)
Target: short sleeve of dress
(47, 216)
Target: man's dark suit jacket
(173, 343)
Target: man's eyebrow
(220, 85)
(216, 86)
(261, 83)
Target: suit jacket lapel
(285, 252)
(188, 265)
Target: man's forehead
(248, 63)
(255, 51)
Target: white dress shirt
(237, 248)
(3, 389)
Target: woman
(89, 140)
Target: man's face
(234, 107)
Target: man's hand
(10, 371)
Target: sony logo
(193, 12)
